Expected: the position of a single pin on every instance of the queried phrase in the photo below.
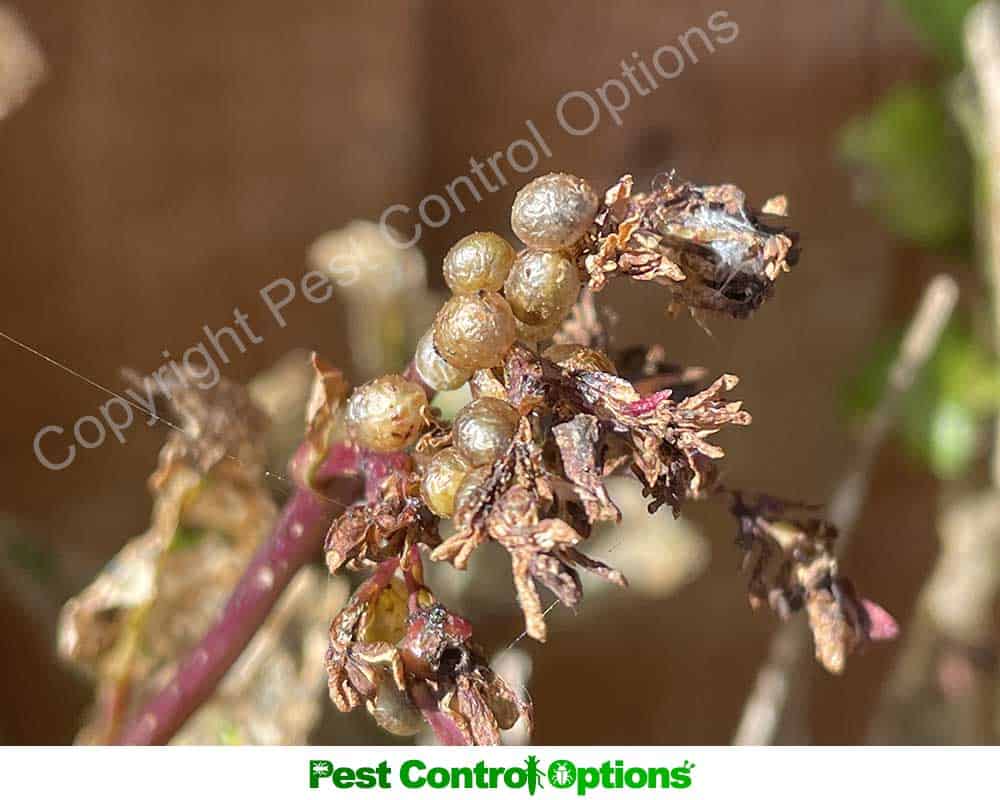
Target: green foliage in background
(916, 172)
(914, 167)
(943, 415)
(939, 25)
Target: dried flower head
(396, 518)
(705, 243)
(789, 554)
(524, 466)
(396, 649)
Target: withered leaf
(542, 550)
(381, 529)
(579, 442)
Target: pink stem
(297, 540)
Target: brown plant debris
(163, 590)
(366, 535)
(789, 555)
(407, 658)
(704, 243)
(525, 466)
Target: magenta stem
(297, 540)
(345, 476)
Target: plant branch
(297, 540)
(982, 45)
(942, 687)
(343, 477)
(780, 678)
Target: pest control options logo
(532, 777)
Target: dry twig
(779, 679)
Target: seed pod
(541, 287)
(578, 357)
(484, 429)
(470, 486)
(537, 333)
(474, 331)
(433, 369)
(442, 478)
(478, 261)
(553, 211)
(386, 414)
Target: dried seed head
(576, 357)
(478, 261)
(542, 287)
(474, 331)
(386, 414)
(434, 370)
(484, 429)
(553, 211)
(442, 478)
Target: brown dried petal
(579, 442)
(587, 324)
(541, 550)
(834, 635)
(521, 466)
(329, 389)
(355, 666)
(483, 705)
(772, 530)
(366, 535)
(471, 705)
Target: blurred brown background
(182, 155)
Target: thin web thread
(154, 417)
(90, 382)
(554, 603)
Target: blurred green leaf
(941, 416)
(951, 439)
(939, 25)
(912, 167)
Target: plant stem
(780, 678)
(297, 540)
(942, 688)
(982, 46)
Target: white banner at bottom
(549, 773)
